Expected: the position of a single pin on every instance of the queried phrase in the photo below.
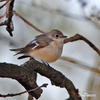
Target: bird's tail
(22, 57)
(19, 50)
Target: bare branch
(56, 78)
(26, 75)
(81, 65)
(3, 23)
(80, 37)
(4, 4)
(9, 15)
(27, 22)
(31, 90)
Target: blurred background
(70, 17)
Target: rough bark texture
(26, 75)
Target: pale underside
(49, 53)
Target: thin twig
(80, 37)
(9, 15)
(4, 4)
(11, 95)
(27, 22)
(3, 23)
(81, 65)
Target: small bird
(46, 47)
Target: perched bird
(47, 47)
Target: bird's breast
(49, 53)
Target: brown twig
(3, 23)
(9, 14)
(27, 22)
(31, 90)
(80, 37)
(81, 65)
(71, 39)
(4, 4)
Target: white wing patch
(36, 44)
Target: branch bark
(17, 94)
(77, 37)
(27, 22)
(9, 14)
(26, 78)
(26, 75)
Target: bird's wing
(39, 42)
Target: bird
(46, 47)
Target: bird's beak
(64, 36)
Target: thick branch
(25, 77)
(25, 74)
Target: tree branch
(26, 76)
(80, 37)
(9, 14)
(12, 95)
(81, 65)
(27, 22)
(4, 4)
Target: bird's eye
(57, 35)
